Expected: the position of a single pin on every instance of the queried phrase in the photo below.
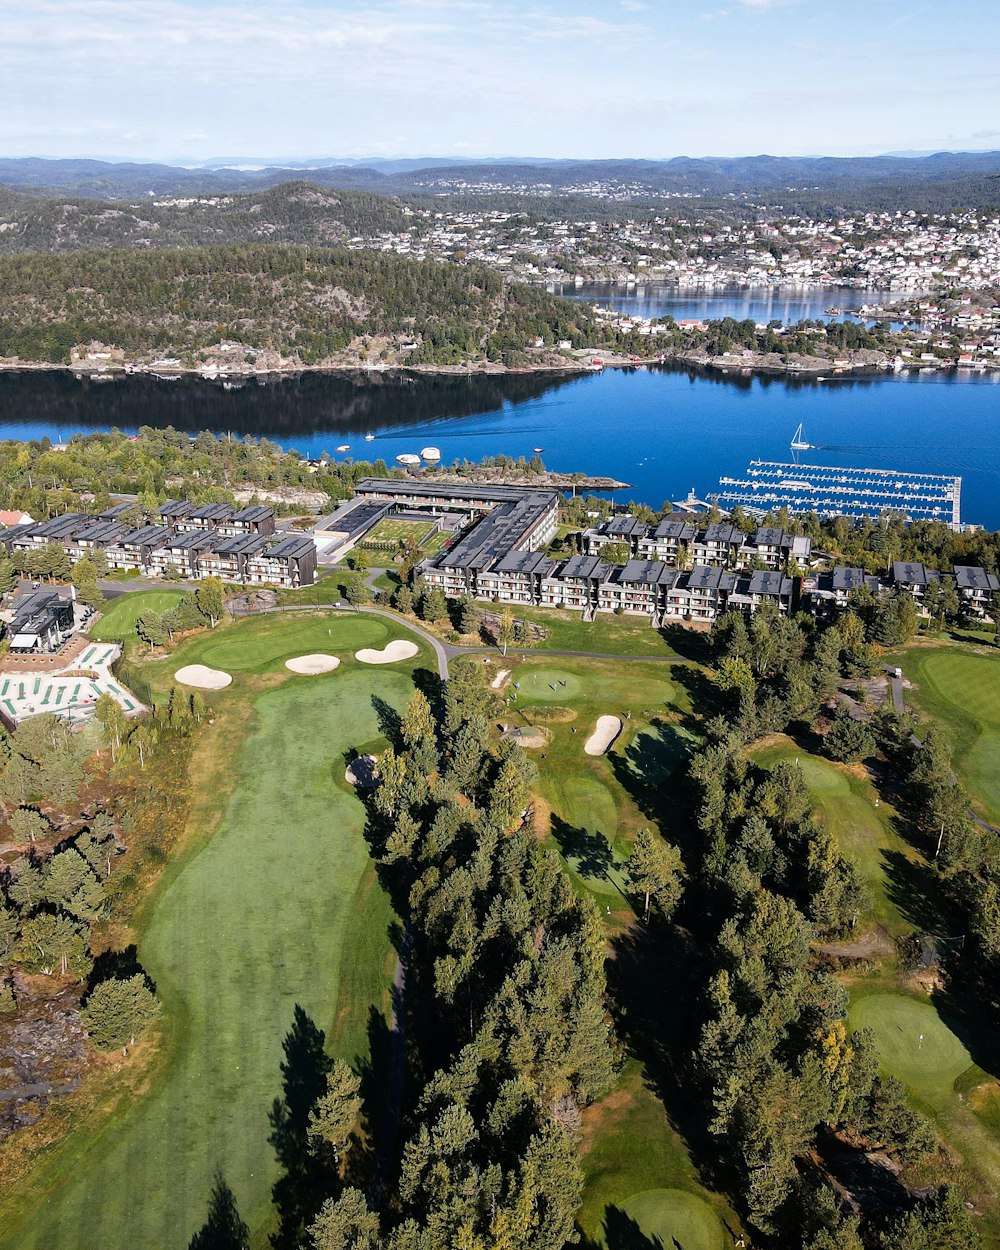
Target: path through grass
(252, 924)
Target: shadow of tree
(652, 970)
(590, 850)
(915, 890)
(389, 721)
(223, 1229)
(308, 1177)
(111, 964)
(620, 1232)
(688, 643)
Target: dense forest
(294, 212)
(306, 305)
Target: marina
(831, 491)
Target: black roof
(669, 527)
(195, 540)
(293, 548)
(645, 573)
(241, 545)
(256, 512)
(146, 536)
(211, 512)
(970, 577)
(525, 562)
(722, 532)
(175, 508)
(592, 567)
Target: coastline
(864, 363)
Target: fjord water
(662, 429)
(762, 304)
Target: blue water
(762, 304)
(662, 430)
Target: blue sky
(176, 79)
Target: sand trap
(313, 664)
(500, 678)
(389, 654)
(605, 732)
(202, 677)
(362, 772)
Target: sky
(194, 80)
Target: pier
(829, 491)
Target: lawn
(607, 634)
(845, 802)
(389, 534)
(277, 907)
(961, 688)
(638, 1171)
(118, 617)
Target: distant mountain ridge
(682, 175)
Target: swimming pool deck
(71, 696)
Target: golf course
(960, 687)
(273, 903)
(844, 800)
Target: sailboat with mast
(798, 441)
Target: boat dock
(829, 490)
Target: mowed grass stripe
(252, 925)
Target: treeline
(507, 1037)
(781, 1084)
(157, 465)
(94, 819)
(305, 303)
(806, 338)
(294, 212)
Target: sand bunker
(313, 664)
(362, 772)
(500, 678)
(605, 732)
(202, 677)
(389, 654)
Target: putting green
(535, 685)
(259, 919)
(668, 1217)
(914, 1043)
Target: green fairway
(589, 803)
(914, 1043)
(259, 644)
(631, 1150)
(118, 617)
(265, 915)
(961, 688)
(845, 803)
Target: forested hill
(280, 306)
(295, 212)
